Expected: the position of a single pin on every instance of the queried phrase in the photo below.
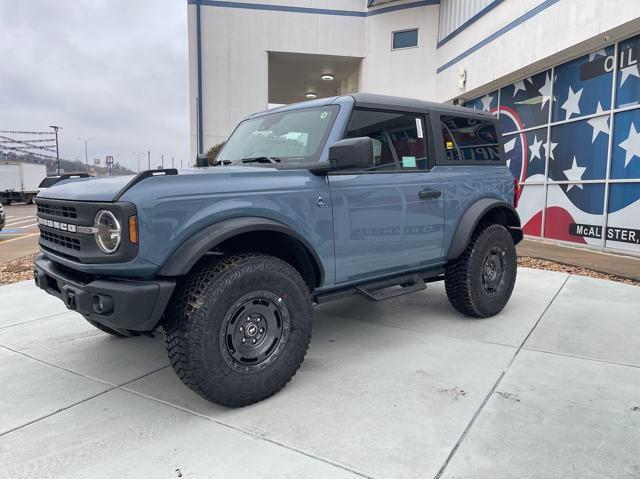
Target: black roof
(372, 100)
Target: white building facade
(562, 75)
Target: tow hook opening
(70, 300)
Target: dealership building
(562, 75)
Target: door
(388, 217)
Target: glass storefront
(572, 138)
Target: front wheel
(238, 329)
(480, 282)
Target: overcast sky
(116, 70)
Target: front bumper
(120, 304)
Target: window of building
(469, 139)
(398, 139)
(405, 39)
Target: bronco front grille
(57, 210)
(60, 240)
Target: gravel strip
(22, 269)
(19, 269)
(536, 263)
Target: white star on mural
(631, 145)
(551, 148)
(508, 147)
(486, 102)
(517, 86)
(574, 174)
(593, 55)
(535, 148)
(631, 70)
(545, 91)
(572, 105)
(600, 124)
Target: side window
(469, 139)
(398, 139)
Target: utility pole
(162, 160)
(172, 162)
(149, 159)
(180, 163)
(55, 129)
(86, 157)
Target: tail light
(516, 192)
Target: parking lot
(403, 388)
(19, 237)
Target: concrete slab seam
(250, 433)
(112, 388)
(34, 319)
(584, 358)
(496, 384)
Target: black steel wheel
(255, 331)
(238, 328)
(479, 283)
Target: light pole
(55, 129)
(86, 157)
(149, 160)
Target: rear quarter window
(468, 140)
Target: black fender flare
(193, 249)
(472, 216)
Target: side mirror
(350, 153)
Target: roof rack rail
(143, 175)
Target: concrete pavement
(403, 388)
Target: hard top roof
(373, 100)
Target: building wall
(535, 34)
(407, 72)
(234, 47)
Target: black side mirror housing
(350, 153)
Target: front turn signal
(133, 229)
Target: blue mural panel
(525, 103)
(628, 73)
(526, 154)
(625, 161)
(488, 102)
(623, 222)
(578, 150)
(583, 86)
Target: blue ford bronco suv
(307, 203)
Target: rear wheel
(238, 329)
(479, 283)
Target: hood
(106, 188)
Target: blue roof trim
(316, 11)
(468, 23)
(510, 26)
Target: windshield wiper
(261, 159)
(221, 162)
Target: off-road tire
(106, 329)
(196, 320)
(464, 275)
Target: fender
(188, 254)
(505, 215)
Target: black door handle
(428, 194)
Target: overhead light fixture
(327, 77)
(312, 95)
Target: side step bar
(382, 289)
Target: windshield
(294, 136)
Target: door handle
(429, 194)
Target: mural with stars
(560, 135)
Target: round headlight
(109, 233)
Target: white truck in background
(19, 181)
